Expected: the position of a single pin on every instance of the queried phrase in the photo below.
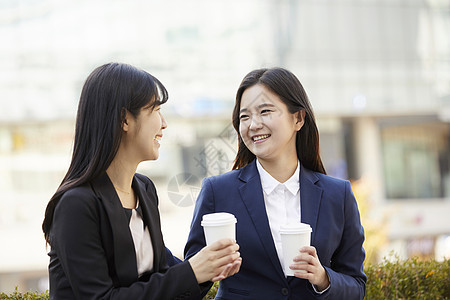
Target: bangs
(157, 92)
(160, 92)
(150, 94)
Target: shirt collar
(269, 183)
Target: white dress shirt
(142, 242)
(282, 202)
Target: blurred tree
(375, 226)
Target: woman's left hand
(230, 270)
(314, 272)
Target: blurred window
(416, 161)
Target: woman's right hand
(216, 261)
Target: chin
(153, 156)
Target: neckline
(137, 204)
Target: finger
(299, 266)
(306, 259)
(228, 252)
(308, 249)
(221, 244)
(300, 257)
(228, 259)
(224, 273)
(227, 270)
(303, 257)
(303, 275)
(309, 269)
(225, 251)
(230, 269)
(218, 278)
(236, 266)
(221, 257)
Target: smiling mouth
(260, 137)
(157, 139)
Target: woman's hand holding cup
(307, 266)
(216, 261)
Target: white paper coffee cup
(217, 226)
(293, 237)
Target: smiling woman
(279, 179)
(103, 219)
(267, 128)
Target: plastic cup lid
(218, 219)
(295, 228)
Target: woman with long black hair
(278, 178)
(103, 223)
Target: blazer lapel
(310, 198)
(151, 217)
(253, 198)
(124, 253)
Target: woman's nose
(255, 123)
(163, 122)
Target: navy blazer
(327, 204)
(92, 251)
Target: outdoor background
(377, 73)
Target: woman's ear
(300, 119)
(125, 118)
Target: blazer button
(284, 291)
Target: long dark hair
(108, 93)
(287, 86)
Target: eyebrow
(259, 106)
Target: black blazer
(92, 252)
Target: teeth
(260, 137)
(157, 138)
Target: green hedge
(409, 279)
(16, 295)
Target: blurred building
(376, 71)
(378, 75)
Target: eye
(265, 111)
(155, 108)
(148, 107)
(243, 117)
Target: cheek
(156, 124)
(243, 131)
